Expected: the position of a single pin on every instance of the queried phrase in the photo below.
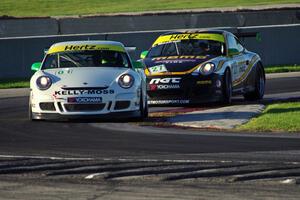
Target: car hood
(177, 63)
(85, 76)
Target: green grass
(279, 117)
(14, 83)
(28, 8)
(280, 69)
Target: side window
(169, 49)
(50, 62)
(239, 46)
(125, 60)
(233, 43)
(155, 51)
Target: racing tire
(143, 107)
(227, 87)
(259, 87)
(30, 111)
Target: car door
(238, 60)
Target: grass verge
(279, 117)
(30, 8)
(14, 83)
(281, 69)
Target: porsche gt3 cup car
(87, 79)
(201, 66)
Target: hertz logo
(81, 47)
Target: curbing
(220, 118)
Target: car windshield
(188, 47)
(89, 58)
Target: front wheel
(30, 111)
(259, 87)
(227, 87)
(143, 107)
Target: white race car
(90, 79)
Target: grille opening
(109, 105)
(47, 106)
(60, 107)
(84, 107)
(122, 105)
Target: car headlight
(126, 81)
(207, 68)
(43, 82)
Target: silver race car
(87, 79)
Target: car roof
(86, 45)
(197, 31)
(207, 34)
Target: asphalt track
(20, 137)
(120, 160)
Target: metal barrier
(278, 45)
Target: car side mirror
(36, 66)
(137, 65)
(232, 52)
(143, 54)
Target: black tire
(227, 87)
(30, 111)
(146, 110)
(143, 108)
(259, 87)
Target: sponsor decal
(82, 92)
(153, 87)
(178, 58)
(85, 100)
(187, 36)
(81, 47)
(158, 69)
(61, 72)
(84, 47)
(165, 80)
(206, 82)
(169, 101)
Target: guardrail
(277, 45)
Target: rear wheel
(259, 86)
(227, 87)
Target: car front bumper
(191, 89)
(47, 106)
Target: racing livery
(201, 66)
(87, 79)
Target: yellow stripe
(187, 36)
(245, 74)
(84, 47)
(220, 64)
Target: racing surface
(113, 150)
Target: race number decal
(158, 69)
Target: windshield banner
(189, 36)
(84, 47)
